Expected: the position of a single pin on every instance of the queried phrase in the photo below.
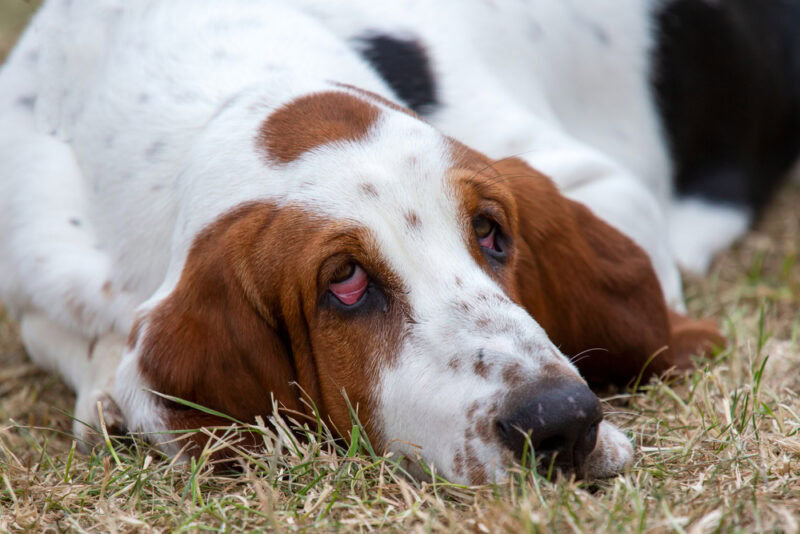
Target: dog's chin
(612, 455)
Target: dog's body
(226, 197)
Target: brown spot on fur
(459, 282)
(476, 472)
(92, 345)
(454, 364)
(473, 409)
(484, 427)
(412, 219)
(368, 190)
(513, 375)
(481, 369)
(313, 120)
(106, 289)
(483, 322)
(458, 464)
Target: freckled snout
(562, 418)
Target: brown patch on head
(485, 428)
(481, 368)
(476, 472)
(313, 120)
(412, 219)
(251, 317)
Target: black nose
(562, 419)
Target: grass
(718, 450)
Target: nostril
(503, 427)
(555, 443)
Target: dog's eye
(486, 232)
(349, 283)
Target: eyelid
(494, 211)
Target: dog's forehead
(384, 170)
(394, 163)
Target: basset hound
(222, 201)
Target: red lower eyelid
(350, 291)
(488, 242)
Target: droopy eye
(349, 283)
(486, 232)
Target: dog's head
(379, 259)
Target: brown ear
(591, 288)
(215, 339)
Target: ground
(718, 450)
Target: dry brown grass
(718, 450)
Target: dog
(225, 202)
(696, 101)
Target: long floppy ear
(591, 288)
(216, 339)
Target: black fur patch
(405, 66)
(727, 76)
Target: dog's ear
(591, 288)
(216, 340)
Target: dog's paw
(87, 426)
(700, 229)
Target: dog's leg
(699, 229)
(87, 365)
(49, 257)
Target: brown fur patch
(313, 120)
(585, 283)
(248, 319)
(588, 285)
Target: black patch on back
(727, 77)
(404, 65)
